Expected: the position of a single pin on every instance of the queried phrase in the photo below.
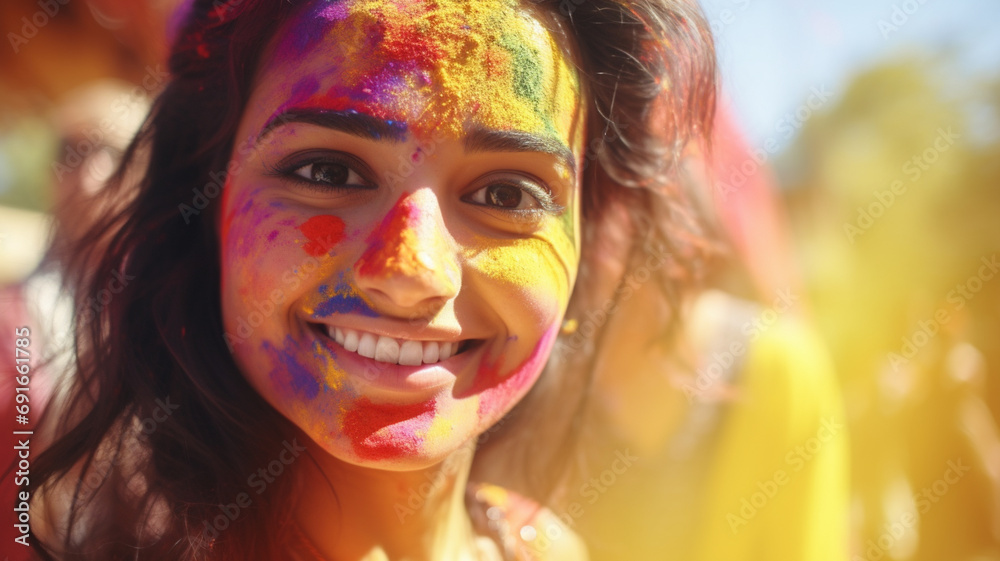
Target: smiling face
(400, 223)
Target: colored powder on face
(497, 390)
(272, 236)
(311, 29)
(385, 431)
(333, 375)
(548, 261)
(226, 222)
(323, 232)
(439, 429)
(394, 248)
(342, 298)
(333, 11)
(303, 89)
(528, 79)
(439, 64)
(248, 218)
(288, 372)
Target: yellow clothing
(770, 431)
(778, 486)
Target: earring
(568, 327)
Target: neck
(353, 513)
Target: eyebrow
(484, 140)
(372, 128)
(350, 122)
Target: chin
(392, 436)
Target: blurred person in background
(94, 124)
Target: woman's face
(400, 222)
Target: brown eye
(326, 170)
(504, 195)
(336, 174)
(330, 173)
(513, 193)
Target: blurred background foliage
(875, 290)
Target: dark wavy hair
(128, 485)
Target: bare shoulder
(525, 529)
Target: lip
(383, 377)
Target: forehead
(431, 65)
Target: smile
(405, 352)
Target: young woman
(358, 231)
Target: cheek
(272, 254)
(274, 259)
(301, 372)
(537, 274)
(322, 234)
(499, 390)
(537, 271)
(248, 274)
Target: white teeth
(394, 351)
(366, 346)
(411, 353)
(431, 352)
(351, 340)
(387, 350)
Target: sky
(775, 54)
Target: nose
(409, 267)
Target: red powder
(381, 431)
(323, 232)
(409, 43)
